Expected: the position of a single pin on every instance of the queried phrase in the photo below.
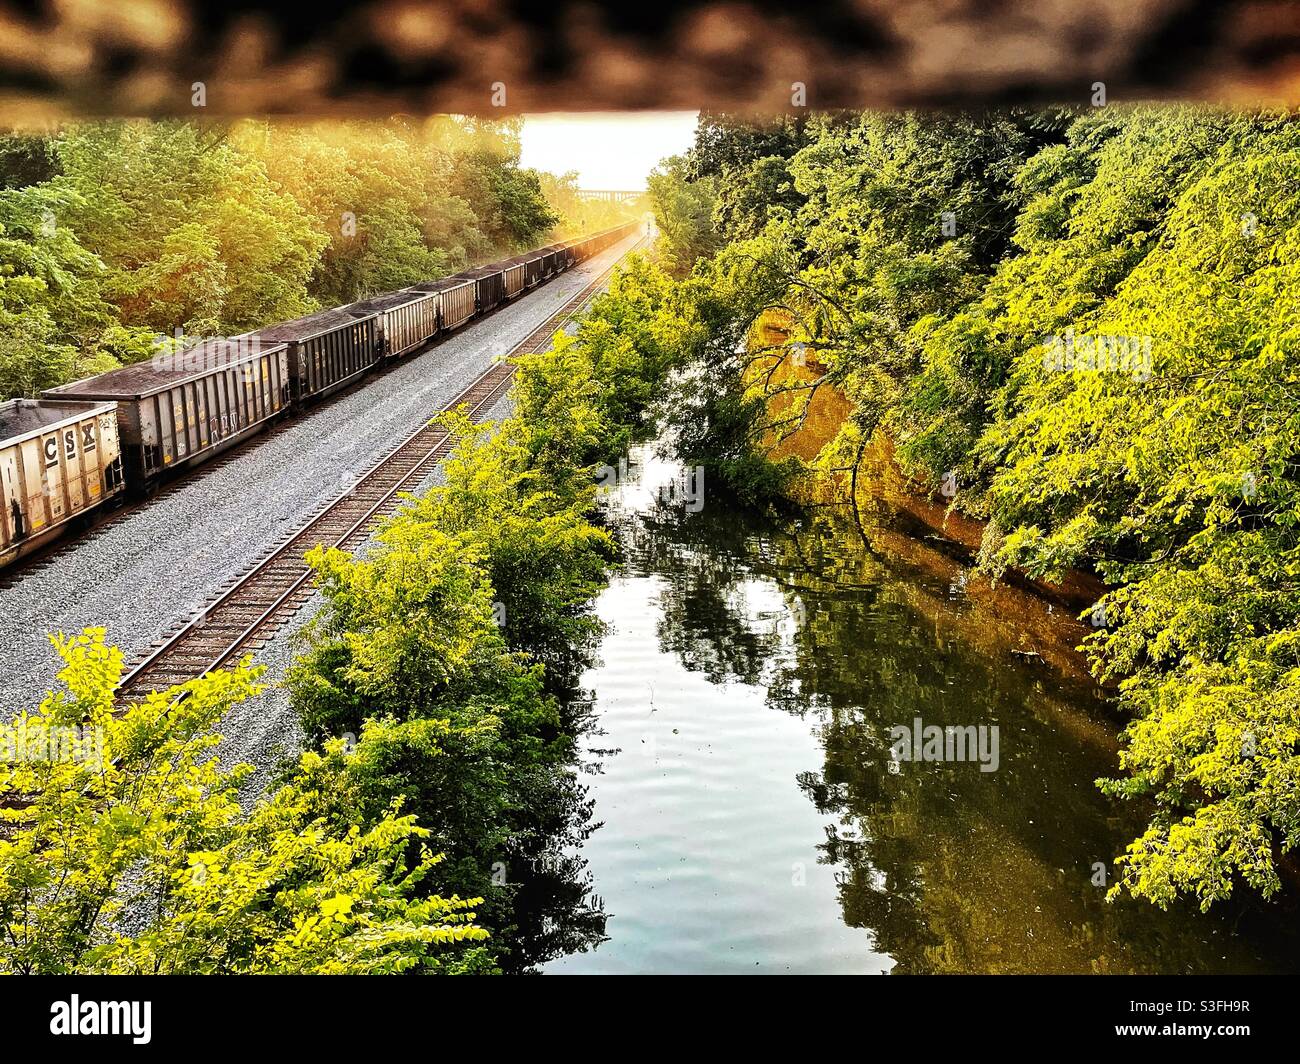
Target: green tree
(55, 324)
(683, 211)
(1181, 488)
(192, 233)
(111, 808)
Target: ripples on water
(738, 763)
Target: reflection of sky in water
(751, 820)
(707, 861)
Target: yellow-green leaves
(120, 815)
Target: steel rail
(195, 649)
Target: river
(753, 811)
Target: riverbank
(751, 816)
(893, 514)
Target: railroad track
(245, 614)
(104, 519)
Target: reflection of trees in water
(554, 909)
(951, 869)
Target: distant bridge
(610, 195)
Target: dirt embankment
(896, 516)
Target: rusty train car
(181, 408)
(456, 304)
(85, 444)
(328, 350)
(59, 461)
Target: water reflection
(754, 818)
(555, 910)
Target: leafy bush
(120, 815)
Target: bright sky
(609, 150)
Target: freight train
(82, 445)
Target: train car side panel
(533, 269)
(404, 321)
(178, 409)
(58, 461)
(513, 279)
(412, 325)
(326, 362)
(489, 288)
(456, 301)
(466, 305)
(327, 350)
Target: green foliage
(192, 232)
(868, 231)
(716, 419)
(1182, 490)
(522, 506)
(110, 809)
(26, 159)
(763, 192)
(55, 322)
(438, 647)
(523, 215)
(630, 343)
(398, 202)
(725, 144)
(1173, 227)
(747, 162)
(683, 214)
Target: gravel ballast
(142, 576)
(263, 731)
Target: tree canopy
(1083, 327)
(116, 234)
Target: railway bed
(247, 612)
(97, 521)
(141, 577)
